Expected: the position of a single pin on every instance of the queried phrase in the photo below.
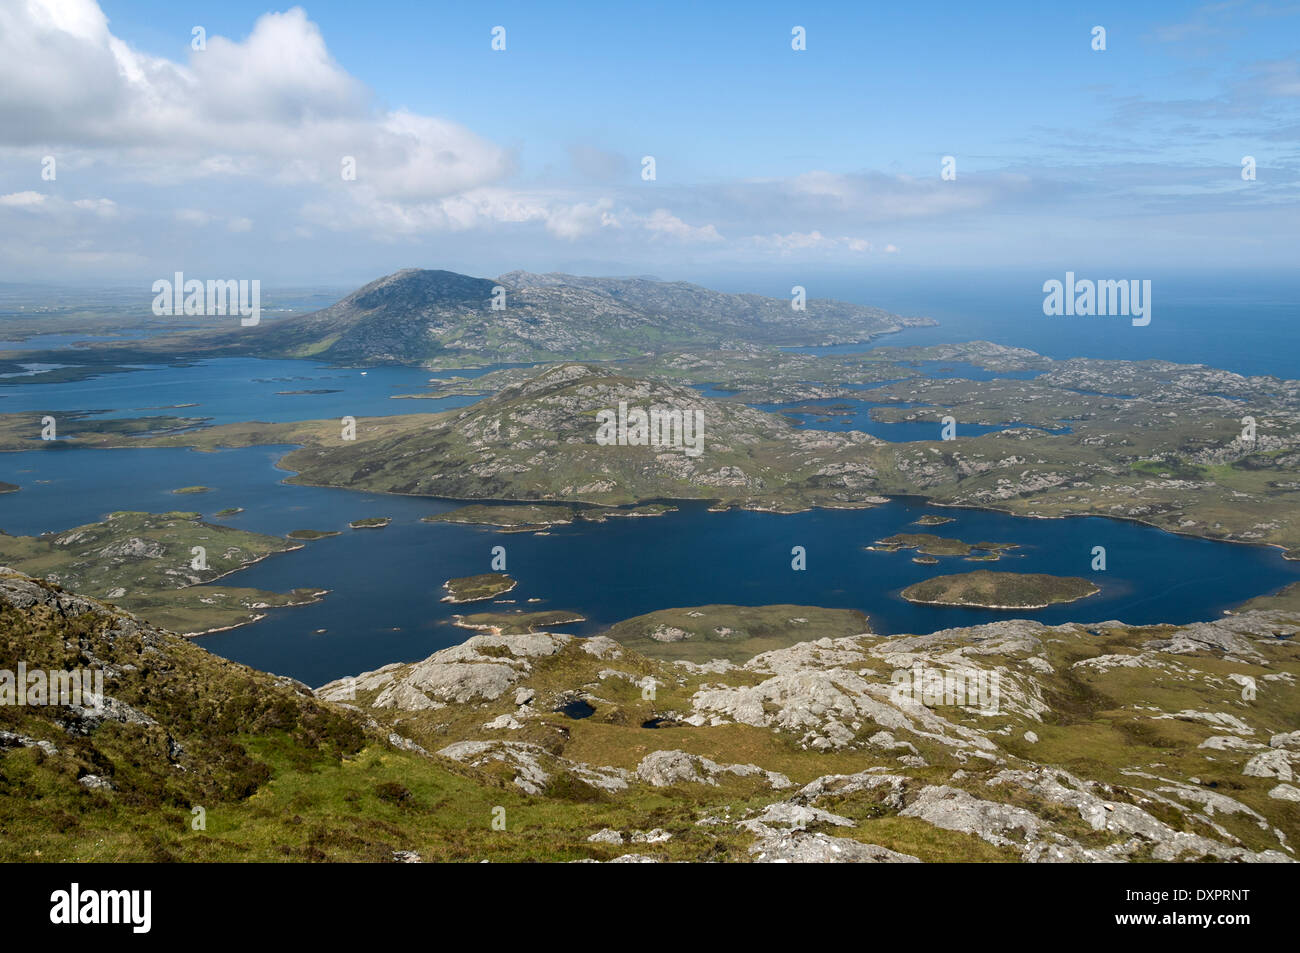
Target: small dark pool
(577, 709)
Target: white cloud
(581, 219)
(274, 105)
(880, 197)
(793, 242)
(664, 223)
(104, 208)
(44, 204)
(22, 200)
(255, 129)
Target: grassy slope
(1101, 723)
(284, 776)
(751, 630)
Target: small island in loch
(999, 590)
(931, 519)
(476, 588)
(519, 517)
(927, 544)
(535, 517)
(517, 622)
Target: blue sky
(225, 160)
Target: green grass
(281, 775)
(999, 590)
(735, 633)
(928, 544)
(145, 562)
(476, 588)
(519, 622)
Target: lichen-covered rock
(798, 847)
(533, 765)
(481, 668)
(956, 810)
(665, 768)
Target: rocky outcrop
(532, 765)
(962, 732)
(796, 847)
(663, 769)
(419, 315)
(480, 669)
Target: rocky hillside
(440, 318)
(537, 440)
(179, 728)
(417, 316)
(1086, 744)
(1071, 743)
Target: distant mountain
(442, 318)
(445, 319)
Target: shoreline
(318, 595)
(923, 321)
(979, 605)
(866, 503)
(714, 507)
(451, 599)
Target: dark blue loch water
(40, 342)
(852, 413)
(385, 585)
(1243, 322)
(230, 390)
